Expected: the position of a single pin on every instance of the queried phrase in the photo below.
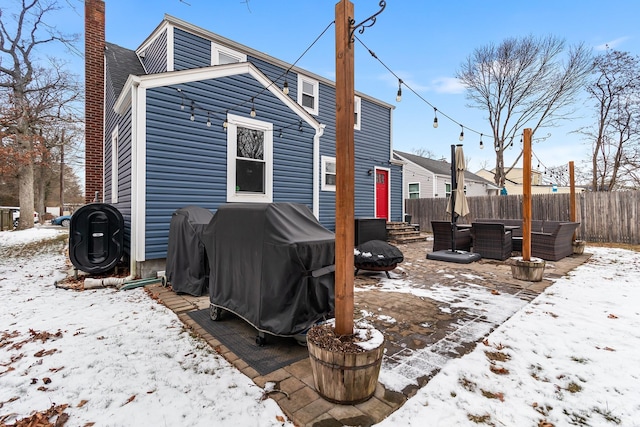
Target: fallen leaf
(82, 403)
(129, 400)
(280, 418)
(498, 370)
(494, 292)
(46, 380)
(612, 316)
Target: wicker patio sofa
(442, 237)
(491, 240)
(555, 244)
(550, 240)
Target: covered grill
(271, 264)
(187, 268)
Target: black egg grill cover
(272, 264)
(96, 238)
(376, 253)
(187, 268)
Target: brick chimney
(94, 12)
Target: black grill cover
(187, 268)
(264, 259)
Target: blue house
(193, 118)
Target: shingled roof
(121, 62)
(438, 167)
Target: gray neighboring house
(425, 178)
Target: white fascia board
(207, 73)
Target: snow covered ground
(117, 358)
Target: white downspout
(316, 170)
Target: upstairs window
(222, 55)
(357, 108)
(308, 94)
(328, 173)
(447, 189)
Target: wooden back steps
(403, 232)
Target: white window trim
(357, 108)
(233, 123)
(216, 49)
(114, 165)
(450, 189)
(409, 184)
(324, 186)
(316, 91)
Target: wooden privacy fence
(603, 216)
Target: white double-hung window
(308, 90)
(249, 160)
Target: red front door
(382, 194)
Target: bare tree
(34, 94)
(424, 152)
(616, 92)
(524, 82)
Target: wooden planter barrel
(345, 378)
(531, 271)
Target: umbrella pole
(454, 187)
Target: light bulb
(208, 122)
(399, 95)
(481, 144)
(192, 118)
(225, 124)
(285, 88)
(253, 112)
(435, 122)
(461, 137)
(182, 106)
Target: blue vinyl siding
(190, 51)
(187, 161)
(155, 56)
(124, 166)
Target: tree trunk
(25, 187)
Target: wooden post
(572, 199)
(526, 196)
(344, 170)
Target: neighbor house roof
(121, 62)
(438, 167)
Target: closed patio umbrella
(457, 207)
(459, 199)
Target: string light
(253, 108)
(461, 138)
(285, 88)
(193, 117)
(300, 126)
(208, 120)
(481, 144)
(435, 117)
(400, 83)
(225, 125)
